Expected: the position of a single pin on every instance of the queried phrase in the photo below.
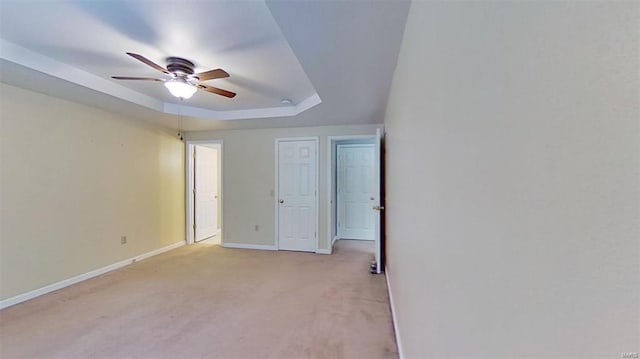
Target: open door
(377, 202)
(205, 192)
(355, 192)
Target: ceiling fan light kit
(180, 88)
(183, 82)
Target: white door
(297, 189)
(355, 191)
(205, 192)
(377, 206)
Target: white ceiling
(334, 59)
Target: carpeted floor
(205, 301)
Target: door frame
(277, 185)
(332, 162)
(189, 200)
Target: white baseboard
(264, 247)
(394, 319)
(334, 240)
(323, 251)
(79, 278)
(158, 251)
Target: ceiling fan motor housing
(180, 66)
(184, 81)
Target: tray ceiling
(333, 59)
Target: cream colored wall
(513, 154)
(249, 179)
(74, 179)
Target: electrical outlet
(123, 240)
(256, 228)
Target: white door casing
(355, 192)
(205, 192)
(296, 185)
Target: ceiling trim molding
(38, 62)
(283, 111)
(35, 61)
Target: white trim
(334, 240)
(324, 251)
(268, 112)
(21, 56)
(356, 145)
(82, 277)
(264, 247)
(35, 61)
(188, 194)
(316, 139)
(394, 318)
(155, 252)
(353, 137)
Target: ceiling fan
(183, 82)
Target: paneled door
(297, 194)
(355, 191)
(205, 192)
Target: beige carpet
(206, 301)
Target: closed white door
(205, 192)
(355, 191)
(297, 191)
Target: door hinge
(194, 226)
(194, 191)
(194, 153)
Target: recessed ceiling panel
(85, 42)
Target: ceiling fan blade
(212, 74)
(217, 91)
(148, 62)
(136, 78)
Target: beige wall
(513, 180)
(73, 180)
(249, 177)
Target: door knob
(378, 208)
(281, 201)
